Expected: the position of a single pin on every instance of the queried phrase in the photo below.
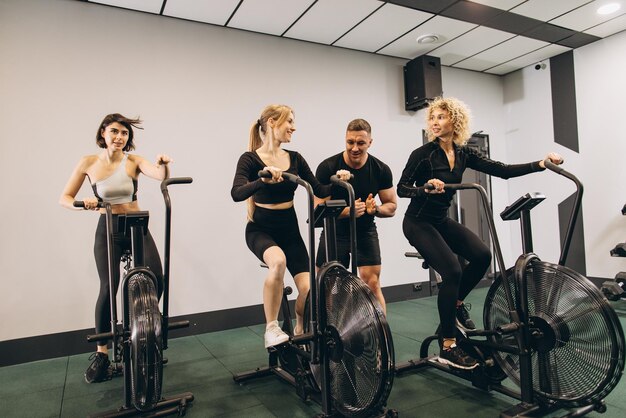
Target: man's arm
(387, 208)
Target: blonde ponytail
(280, 113)
(254, 143)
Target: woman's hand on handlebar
(553, 157)
(277, 175)
(438, 186)
(163, 159)
(91, 203)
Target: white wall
(65, 64)
(601, 85)
(599, 164)
(527, 103)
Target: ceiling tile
(609, 28)
(532, 58)
(429, 6)
(500, 4)
(446, 29)
(375, 31)
(512, 33)
(470, 43)
(471, 12)
(328, 20)
(151, 6)
(586, 17)
(500, 53)
(547, 10)
(268, 16)
(214, 12)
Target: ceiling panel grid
(493, 36)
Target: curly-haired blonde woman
(439, 239)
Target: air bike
(547, 327)
(344, 360)
(139, 340)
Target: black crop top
(429, 162)
(247, 182)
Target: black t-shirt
(247, 182)
(372, 177)
(429, 162)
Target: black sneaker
(463, 318)
(100, 368)
(457, 358)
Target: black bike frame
(166, 258)
(176, 403)
(351, 199)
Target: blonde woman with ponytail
(272, 232)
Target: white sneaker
(274, 335)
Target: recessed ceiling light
(427, 39)
(608, 8)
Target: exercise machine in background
(616, 289)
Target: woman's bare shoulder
(88, 161)
(134, 158)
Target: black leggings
(440, 244)
(120, 244)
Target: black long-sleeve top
(247, 182)
(429, 161)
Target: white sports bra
(118, 188)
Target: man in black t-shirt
(371, 177)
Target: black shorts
(368, 249)
(278, 228)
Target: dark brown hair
(122, 120)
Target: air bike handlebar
(287, 176)
(576, 208)
(81, 204)
(334, 179)
(453, 186)
(166, 258)
(175, 180)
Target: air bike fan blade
(146, 343)
(361, 354)
(576, 337)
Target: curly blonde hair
(459, 114)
